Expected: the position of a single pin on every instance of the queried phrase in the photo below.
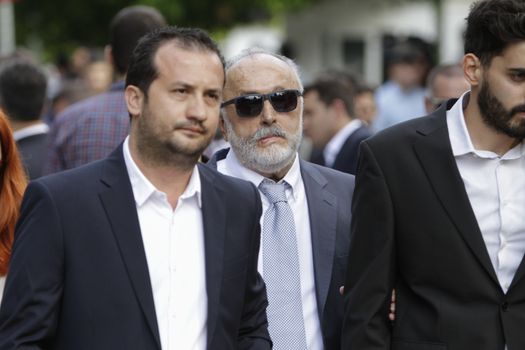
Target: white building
(349, 33)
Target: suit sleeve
(30, 305)
(253, 333)
(371, 260)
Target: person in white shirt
(330, 124)
(144, 250)
(262, 120)
(439, 209)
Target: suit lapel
(322, 209)
(435, 155)
(119, 204)
(214, 225)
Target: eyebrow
(251, 92)
(516, 70)
(181, 84)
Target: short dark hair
(142, 70)
(22, 90)
(127, 27)
(492, 25)
(332, 88)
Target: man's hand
(392, 313)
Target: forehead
(512, 57)
(260, 73)
(191, 64)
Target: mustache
(269, 131)
(517, 109)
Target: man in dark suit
(330, 125)
(439, 209)
(22, 96)
(144, 249)
(262, 119)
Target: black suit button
(505, 306)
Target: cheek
(246, 128)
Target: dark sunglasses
(252, 105)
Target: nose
(268, 113)
(196, 108)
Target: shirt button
(505, 307)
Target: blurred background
(318, 34)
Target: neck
(168, 178)
(17, 124)
(483, 136)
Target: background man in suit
(90, 129)
(329, 123)
(438, 209)
(265, 132)
(22, 96)
(144, 249)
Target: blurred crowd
(340, 108)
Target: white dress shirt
(496, 189)
(296, 196)
(36, 129)
(174, 245)
(333, 147)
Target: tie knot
(274, 191)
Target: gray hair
(254, 51)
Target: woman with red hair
(13, 182)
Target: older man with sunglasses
(306, 207)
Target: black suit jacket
(346, 159)
(329, 195)
(79, 278)
(414, 230)
(33, 150)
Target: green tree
(61, 25)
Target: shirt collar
(234, 167)
(143, 189)
(36, 129)
(334, 145)
(460, 138)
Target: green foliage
(61, 25)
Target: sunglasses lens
(284, 101)
(249, 106)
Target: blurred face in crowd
(180, 113)
(444, 88)
(319, 120)
(268, 141)
(365, 107)
(501, 96)
(407, 75)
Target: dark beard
(497, 117)
(157, 152)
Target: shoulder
(328, 177)
(74, 181)
(111, 102)
(407, 132)
(329, 173)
